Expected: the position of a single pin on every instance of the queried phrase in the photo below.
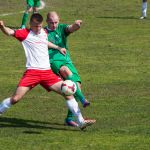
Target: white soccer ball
(68, 87)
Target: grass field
(111, 53)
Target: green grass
(111, 53)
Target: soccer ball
(68, 87)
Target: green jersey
(58, 37)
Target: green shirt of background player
(62, 64)
(32, 5)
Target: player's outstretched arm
(74, 27)
(5, 29)
(62, 50)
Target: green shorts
(33, 3)
(56, 65)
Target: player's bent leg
(24, 20)
(72, 105)
(8, 102)
(67, 74)
(71, 102)
(25, 17)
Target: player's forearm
(74, 27)
(61, 50)
(7, 30)
(51, 45)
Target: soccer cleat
(143, 17)
(87, 122)
(86, 103)
(70, 122)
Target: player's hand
(63, 51)
(78, 23)
(1, 24)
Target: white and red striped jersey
(36, 48)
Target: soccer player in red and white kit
(35, 44)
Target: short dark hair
(37, 17)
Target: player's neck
(49, 29)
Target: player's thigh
(56, 65)
(56, 87)
(74, 71)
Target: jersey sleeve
(64, 28)
(21, 34)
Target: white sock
(5, 105)
(74, 108)
(144, 9)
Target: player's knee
(65, 71)
(64, 68)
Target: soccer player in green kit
(62, 64)
(32, 5)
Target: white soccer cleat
(86, 123)
(143, 17)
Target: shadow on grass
(6, 122)
(130, 17)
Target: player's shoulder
(21, 34)
(23, 30)
(44, 31)
(62, 25)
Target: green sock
(76, 98)
(78, 94)
(24, 19)
(70, 115)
